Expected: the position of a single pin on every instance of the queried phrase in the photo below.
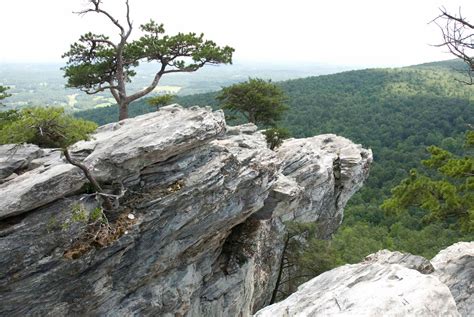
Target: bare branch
(129, 22)
(89, 177)
(457, 34)
(188, 69)
(114, 93)
(91, 91)
(97, 9)
(93, 40)
(459, 18)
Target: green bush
(43, 126)
(160, 101)
(275, 136)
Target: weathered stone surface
(123, 148)
(377, 287)
(455, 267)
(16, 157)
(115, 152)
(407, 260)
(389, 283)
(248, 128)
(329, 169)
(39, 187)
(205, 240)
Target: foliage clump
(260, 102)
(446, 196)
(160, 101)
(276, 136)
(43, 126)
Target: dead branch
(458, 37)
(90, 177)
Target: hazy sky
(349, 32)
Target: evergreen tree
(259, 101)
(160, 101)
(43, 126)
(448, 196)
(96, 63)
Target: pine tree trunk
(252, 117)
(280, 271)
(123, 111)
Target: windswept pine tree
(96, 63)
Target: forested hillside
(397, 113)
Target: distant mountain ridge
(451, 64)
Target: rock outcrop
(454, 266)
(199, 228)
(389, 284)
(16, 158)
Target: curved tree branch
(458, 35)
(97, 9)
(91, 91)
(90, 178)
(150, 88)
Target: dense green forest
(395, 112)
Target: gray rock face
(407, 260)
(388, 284)
(14, 158)
(455, 268)
(325, 171)
(204, 235)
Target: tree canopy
(446, 196)
(259, 101)
(96, 63)
(160, 101)
(43, 126)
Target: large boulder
(454, 266)
(390, 284)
